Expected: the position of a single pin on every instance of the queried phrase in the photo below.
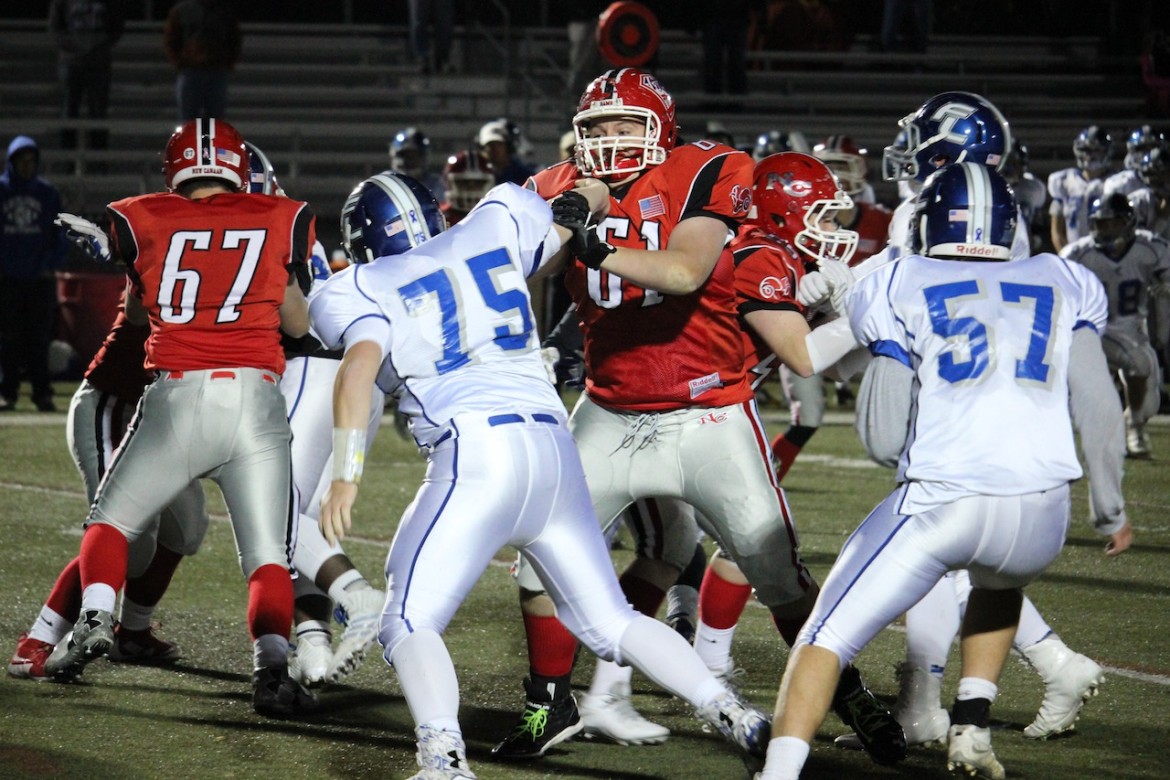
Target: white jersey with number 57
(459, 302)
(989, 344)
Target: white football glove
(830, 282)
(551, 356)
(85, 234)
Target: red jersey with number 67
(212, 274)
(646, 351)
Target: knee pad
(1124, 352)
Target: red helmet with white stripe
(796, 197)
(206, 149)
(625, 93)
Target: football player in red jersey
(871, 222)
(217, 273)
(98, 416)
(668, 409)
(467, 177)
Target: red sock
(785, 452)
(721, 602)
(65, 597)
(104, 552)
(147, 588)
(270, 601)
(550, 646)
(644, 596)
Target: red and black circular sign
(627, 34)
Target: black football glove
(571, 211)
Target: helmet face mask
(964, 212)
(1092, 148)
(629, 96)
(796, 197)
(388, 214)
(1112, 224)
(206, 149)
(951, 127)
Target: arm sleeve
(883, 409)
(1096, 413)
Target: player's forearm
(354, 384)
(784, 332)
(294, 311)
(671, 272)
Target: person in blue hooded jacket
(32, 248)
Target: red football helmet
(793, 196)
(206, 149)
(468, 177)
(846, 159)
(626, 93)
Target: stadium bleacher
(324, 100)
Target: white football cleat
(969, 752)
(360, 610)
(740, 722)
(612, 716)
(441, 754)
(1070, 680)
(311, 658)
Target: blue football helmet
(1154, 170)
(388, 214)
(964, 212)
(262, 178)
(1112, 224)
(773, 142)
(1092, 149)
(1141, 140)
(951, 127)
(409, 152)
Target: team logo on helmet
(651, 83)
(792, 186)
(741, 199)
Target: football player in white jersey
(448, 328)
(1006, 342)
(1130, 263)
(965, 127)
(1073, 189)
(1137, 145)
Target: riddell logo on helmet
(981, 250)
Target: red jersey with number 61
(212, 274)
(646, 351)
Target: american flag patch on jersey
(651, 207)
(394, 227)
(958, 215)
(226, 156)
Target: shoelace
(634, 431)
(533, 721)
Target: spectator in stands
(905, 26)
(85, 32)
(202, 40)
(498, 140)
(32, 249)
(725, 37)
(432, 23)
(798, 25)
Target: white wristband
(829, 343)
(349, 454)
